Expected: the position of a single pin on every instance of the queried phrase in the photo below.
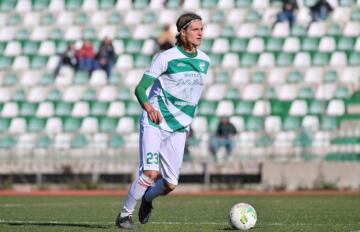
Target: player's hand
(154, 116)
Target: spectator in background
(223, 137)
(166, 38)
(320, 10)
(287, 13)
(191, 140)
(105, 56)
(86, 56)
(67, 58)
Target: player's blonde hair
(183, 22)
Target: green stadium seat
(209, 3)
(252, 16)
(354, 58)
(303, 139)
(213, 122)
(108, 124)
(346, 44)
(40, 5)
(79, 141)
(7, 6)
(149, 17)
(22, 34)
(222, 77)
(106, 4)
(264, 140)
(124, 33)
(321, 58)
(345, 140)
(142, 61)
(355, 15)
(306, 92)
(317, 107)
(330, 76)
(47, 19)
(207, 107)
(244, 107)
(218, 16)
(28, 109)
(280, 108)
(6, 62)
(116, 140)
(228, 31)
(4, 124)
(294, 76)
(36, 125)
(232, 94)
(342, 92)
(72, 124)
(19, 95)
(81, 18)
(38, 62)
(329, 123)
(216, 59)
(14, 19)
(334, 30)
(263, 30)
(292, 123)
(285, 59)
(270, 93)
(73, 4)
(299, 31)
(115, 18)
(43, 141)
(56, 34)
(115, 78)
(63, 109)
(310, 3)
(89, 95)
(10, 79)
(8, 142)
(239, 44)
(249, 59)
(124, 94)
(99, 108)
(140, 4)
(133, 46)
(274, 44)
(89, 33)
(30, 47)
(2, 47)
(254, 123)
(81, 77)
(347, 3)
(258, 77)
(310, 44)
(243, 3)
(54, 95)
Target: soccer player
(176, 77)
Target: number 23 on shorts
(152, 158)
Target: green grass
(181, 213)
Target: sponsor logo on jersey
(202, 66)
(181, 64)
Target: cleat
(145, 210)
(125, 223)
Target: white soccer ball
(242, 216)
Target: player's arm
(140, 93)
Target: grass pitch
(180, 213)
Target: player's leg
(172, 151)
(150, 141)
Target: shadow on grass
(66, 224)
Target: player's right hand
(154, 116)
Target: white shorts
(161, 151)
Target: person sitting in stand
(67, 58)
(223, 137)
(86, 56)
(105, 56)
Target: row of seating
(94, 5)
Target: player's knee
(169, 187)
(151, 174)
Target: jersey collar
(188, 54)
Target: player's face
(193, 34)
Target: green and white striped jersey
(179, 81)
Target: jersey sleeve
(157, 66)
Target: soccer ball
(242, 216)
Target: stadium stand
(289, 93)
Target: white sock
(157, 190)
(136, 191)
